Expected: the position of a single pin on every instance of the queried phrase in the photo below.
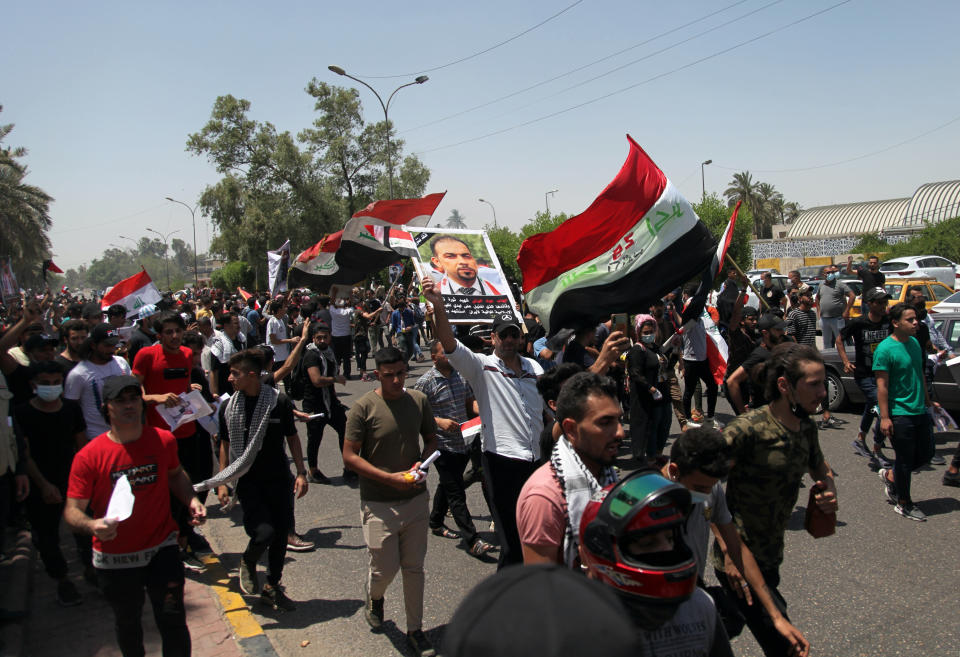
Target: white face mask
(697, 497)
(49, 393)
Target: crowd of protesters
(89, 392)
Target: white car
(949, 305)
(928, 266)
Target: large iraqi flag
(132, 293)
(637, 241)
(317, 266)
(415, 212)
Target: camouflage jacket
(762, 489)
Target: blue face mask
(831, 277)
(648, 339)
(49, 393)
(698, 498)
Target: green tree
(744, 189)
(24, 214)
(770, 204)
(941, 239)
(232, 275)
(506, 244)
(456, 220)
(715, 214)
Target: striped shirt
(448, 399)
(802, 325)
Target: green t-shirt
(389, 432)
(903, 362)
(763, 485)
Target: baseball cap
(147, 311)
(876, 294)
(104, 333)
(114, 385)
(770, 321)
(749, 311)
(38, 341)
(509, 614)
(500, 324)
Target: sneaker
(249, 579)
(296, 543)
(860, 447)
(479, 548)
(889, 489)
(951, 479)
(421, 644)
(191, 562)
(882, 460)
(829, 423)
(67, 594)
(317, 477)
(372, 609)
(717, 424)
(692, 425)
(276, 598)
(198, 543)
(911, 511)
(936, 459)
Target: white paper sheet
(121, 501)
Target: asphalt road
(883, 585)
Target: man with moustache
(453, 257)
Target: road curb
(249, 635)
(17, 576)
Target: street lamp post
(193, 218)
(386, 107)
(703, 180)
(135, 245)
(546, 198)
(166, 257)
(494, 212)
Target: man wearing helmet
(581, 464)
(631, 539)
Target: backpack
(298, 379)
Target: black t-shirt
(66, 364)
(312, 395)
(575, 353)
(741, 345)
(871, 279)
(866, 336)
(773, 295)
(19, 383)
(271, 463)
(138, 340)
(222, 370)
(52, 438)
(759, 355)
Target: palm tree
(24, 211)
(456, 220)
(791, 211)
(743, 188)
(770, 203)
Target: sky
(104, 95)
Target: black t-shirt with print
(866, 335)
(271, 463)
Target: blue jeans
(911, 443)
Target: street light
(166, 259)
(494, 212)
(135, 244)
(546, 198)
(193, 218)
(703, 181)
(386, 107)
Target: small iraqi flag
(637, 241)
(471, 428)
(132, 293)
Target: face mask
(698, 498)
(648, 339)
(49, 393)
(798, 411)
(831, 277)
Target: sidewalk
(219, 621)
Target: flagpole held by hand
(740, 271)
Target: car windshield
(953, 298)
(894, 265)
(854, 284)
(940, 292)
(893, 290)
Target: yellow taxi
(933, 291)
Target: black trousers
(336, 419)
(505, 478)
(694, 370)
(267, 519)
(196, 456)
(451, 494)
(771, 642)
(45, 524)
(162, 579)
(341, 348)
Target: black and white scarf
(244, 445)
(579, 487)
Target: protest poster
(467, 274)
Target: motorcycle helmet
(614, 532)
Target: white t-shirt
(85, 385)
(279, 329)
(340, 321)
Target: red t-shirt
(541, 510)
(147, 462)
(164, 372)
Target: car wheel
(836, 395)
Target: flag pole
(740, 271)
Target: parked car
(841, 388)
(948, 305)
(811, 273)
(928, 266)
(934, 291)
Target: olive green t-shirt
(763, 485)
(389, 431)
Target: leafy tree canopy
(941, 239)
